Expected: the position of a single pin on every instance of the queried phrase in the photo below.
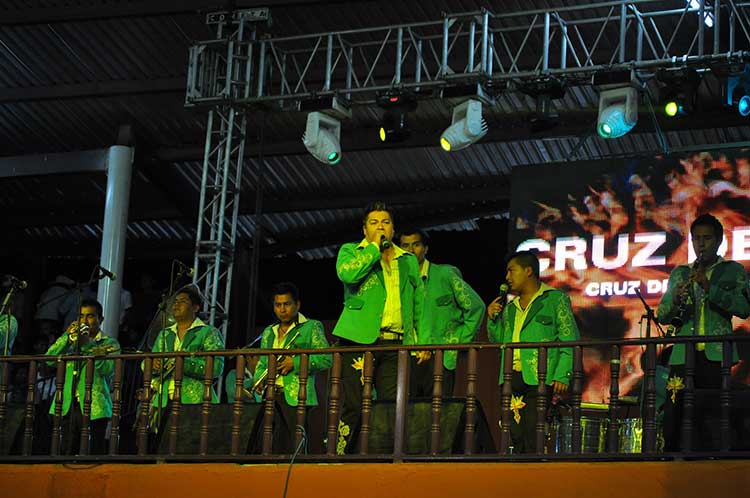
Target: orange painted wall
(708, 479)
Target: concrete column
(119, 173)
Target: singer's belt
(387, 335)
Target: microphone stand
(650, 316)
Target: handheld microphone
(17, 282)
(184, 269)
(503, 294)
(385, 243)
(110, 275)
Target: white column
(119, 173)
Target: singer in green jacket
(538, 313)
(383, 300)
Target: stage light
(671, 108)
(678, 90)
(618, 112)
(743, 106)
(322, 137)
(394, 126)
(467, 126)
(738, 91)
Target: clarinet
(678, 321)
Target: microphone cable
(302, 442)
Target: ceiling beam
(134, 8)
(93, 90)
(84, 161)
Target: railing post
(614, 399)
(174, 415)
(334, 405)
(402, 405)
(208, 382)
(437, 402)
(541, 400)
(688, 400)
(268, 406)
(114, 436)
(304, 367)
(28, 428)
(143, 421)
(471, 402)
(237, 406)
(726, 395)
(4, 381)
(649, 422)
(576, 390)
(364, 431)
(57, 420)
(507, 391)
(86, 421)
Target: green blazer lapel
(537, 305)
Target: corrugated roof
(70, 84)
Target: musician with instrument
(292, 330)
(84, 337)
(187, 333)
(701, 299)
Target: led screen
(606, 228)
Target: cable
(302, 442)
(659, 133)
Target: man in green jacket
(85, 337)
(291, 331)
(187, 333)
(538, 313)
(452, 313)
(382, 305)
(701, 299)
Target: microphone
(17, 282)
(503, 294)
(184, 269)
(385, 243)
(110, 275)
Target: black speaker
(419, 421)
(219, 429)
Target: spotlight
(394, 126)
(322, 136)
(738, 91)
(671, 108)
(618, 112)
(467, 126)
(678, 92)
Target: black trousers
(72, 425)
(385, 376)
(421, 379)
(707, 377)
(284, 428)
(523, 432)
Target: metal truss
(483, 47)
(226, 70)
